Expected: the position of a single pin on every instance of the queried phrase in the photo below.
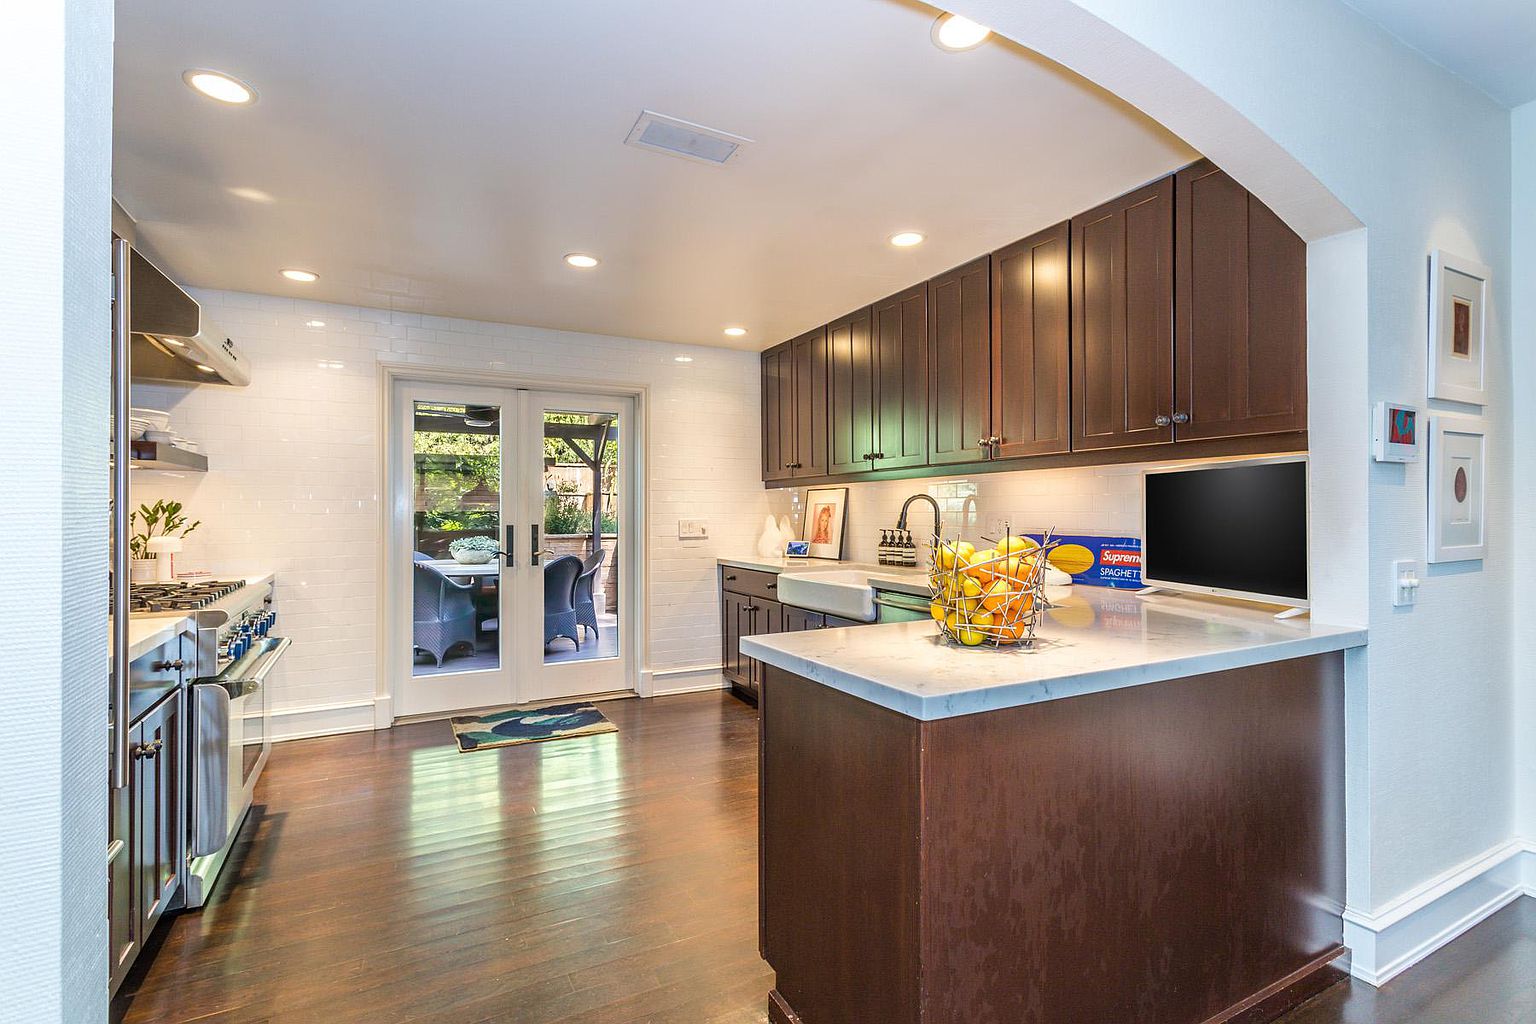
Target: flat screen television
(1235, 529)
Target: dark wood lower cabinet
(748, 607)
(1169, 852)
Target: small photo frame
(825, 521)
(1395, 433)
(1458, 460)
(797, 549)
(1458, 303)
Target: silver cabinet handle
(122, 453)
(1162, 421)
(1181, 417)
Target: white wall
(55, 103)
(295, 486)
(1422, 160)
(1522, 287)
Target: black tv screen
(1240, 528)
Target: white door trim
(637, 592)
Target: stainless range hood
(172, 340)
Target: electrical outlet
(1405, 583)
(997, 527)
(692, 529)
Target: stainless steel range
(230, 712)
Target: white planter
(142, 570)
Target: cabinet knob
(773, 586)
(1162, 421)
(1181, 417)
(730, 577)
(984, 442)
(994, 441)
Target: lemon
(970, 586)
(937, 610)
(946, 556)
(1016, 545)
(971, 637)
(996, 594)
(982, 619)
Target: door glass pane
(581, 534)
(456, 526)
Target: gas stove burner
(181, 596)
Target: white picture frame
(1458, 491)
(825, 521)
(1458, 318)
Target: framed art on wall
(1458, 456)
(1458, 301)
(826, 517)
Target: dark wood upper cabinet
(795, 408)
(900, 344)
(960, 361)
(778, 413)
(850, 394)
(1122, 321)
(1241, 330)
(808, 356)
(1031, 346)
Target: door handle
(508, 544)
(533, 558)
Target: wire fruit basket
(993, 597)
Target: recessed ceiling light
(682, 359)
(254, 195)
(314, 323)
(954, 33)
(173, 342)
(735, 332)
(581, 260)
(907, 239)
(206, 368)
(216, 85)
(304, 276)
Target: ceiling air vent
(691, 141)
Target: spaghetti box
(1097, 561)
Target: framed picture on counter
(1458, 451)
(825, 522)
(1458, 297)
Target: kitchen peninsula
(1141, 819)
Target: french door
(508, 567)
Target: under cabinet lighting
(216, 85)
(302, 276)
(953, 33)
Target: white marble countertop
(781, 564)
(1096, 639)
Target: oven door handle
(249, 673)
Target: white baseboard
(694, 679)
(305, 721)
(1387, 942)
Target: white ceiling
(442, 157)
(1490, 43)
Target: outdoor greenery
(454, 469)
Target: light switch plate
(692, 529)
(1406, 576)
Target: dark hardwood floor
(608, 879)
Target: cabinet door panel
(159, 816)
(767, 617)
(123, 877)
(850, 394)
(1031, 345)
(1241, 341)
(1122, 320)
(808, 355)
(960, 354)
(797, 620)
(778, 413)
(901, 379)
(733, 619)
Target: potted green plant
(473, 550)
(161, 519)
